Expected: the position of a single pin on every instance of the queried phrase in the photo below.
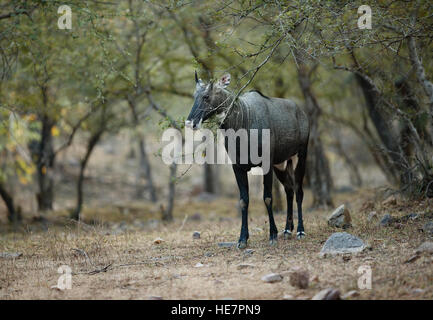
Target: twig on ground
(83, 253)
(183, 223)
(103, 269)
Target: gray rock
(407, 217)
(426, 247)
(226, 244)
(10, 255)
(412, 216)
(386, 221)
(340, 218)
(418, 291)
(272, 278)
(428, 227)
(196, 235)
(340, 243)
(327, 294)
(245, 266)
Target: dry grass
(139, 269)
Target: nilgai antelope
(289, 132)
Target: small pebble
(272, 278)
(226, 244)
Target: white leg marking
(295, 160)
(281, 166)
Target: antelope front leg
(267, 198)
(242, 181)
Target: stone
(155, 298)
(55, 287)
(340, 218)
(386, 221)
(418, 291)
(426, 247)
(372, 216)
(412, 216)
(327, 294)
(245, 266)
(196, 235)
(350, 294)
(288, 297)
(199, 265)
(428, 227)
(299, 279)
(272, 278)
(158, 241)
(341, 243)
(226, 244)
(10, 255)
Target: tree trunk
(13, 215)
(419, 70)
(317, 163)
(145, 171)
(355, 175)
(144, 165)
(90, 146)
(386, 135)
(167, 214)
(45, 166)
(210, 178)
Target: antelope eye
(206, 98)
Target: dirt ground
(113, 255)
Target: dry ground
(124, 263)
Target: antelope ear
(224, 81)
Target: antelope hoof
(287, 234)
(242, 244)
(300, 235)
(273, 242)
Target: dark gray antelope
(289, 131)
